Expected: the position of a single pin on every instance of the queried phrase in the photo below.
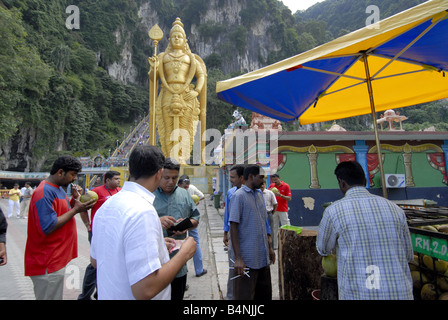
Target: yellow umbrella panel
(400, 85)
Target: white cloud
(295, 5)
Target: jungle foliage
(53, 79)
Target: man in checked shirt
(250, 239)
(371, 239)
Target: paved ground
(212, 286)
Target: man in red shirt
(110, 187)
(283, 195)
(52, 237)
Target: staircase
(138, 136)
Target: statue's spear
(155, 34)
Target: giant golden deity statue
(178, 95)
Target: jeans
(197, 258)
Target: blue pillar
(445, 151)
(361, 150)
(222, 180)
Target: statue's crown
(178, 26)
(178, 22)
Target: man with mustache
(250, 239)
(52, 237)
(174, 204)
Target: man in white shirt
(184, 182)
(270, 201)
(128, 248)
(26, 192)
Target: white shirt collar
(140, 190)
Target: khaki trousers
(279, 218)
(49, 286)
(24, 207)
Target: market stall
(429, 233)
(303, 274)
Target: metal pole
(152, 109)
(372, 107)
(155, 34)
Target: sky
(295, 5)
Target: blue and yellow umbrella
(400, 61)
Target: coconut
(329, 263)
(441, 266)
(195, 198)
(442, 283)
(89, 195)
(444, 296)
(417, 283)
(443, 228)
(429, 292)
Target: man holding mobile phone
(174, 204)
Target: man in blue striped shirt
(236, 177)
(250, 239)
(371, 239)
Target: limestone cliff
(249, 52)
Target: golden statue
(180, 103)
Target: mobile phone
(177, 246)
(182, 225)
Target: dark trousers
(257, 287)
(178, 286)
(89, 283)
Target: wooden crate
(299, 264)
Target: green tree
(82, 60)
(60, 56)
(23, 76)
(239, 37)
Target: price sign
(434, 247)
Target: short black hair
(253, 169)
(275, 175)
(351, 172)
(66, 163)
(171, 164)
(184, 178)
(110, 174)
(145, 161)
(239, 168)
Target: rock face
(14, 154)
(124, 70)
(224, 15)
